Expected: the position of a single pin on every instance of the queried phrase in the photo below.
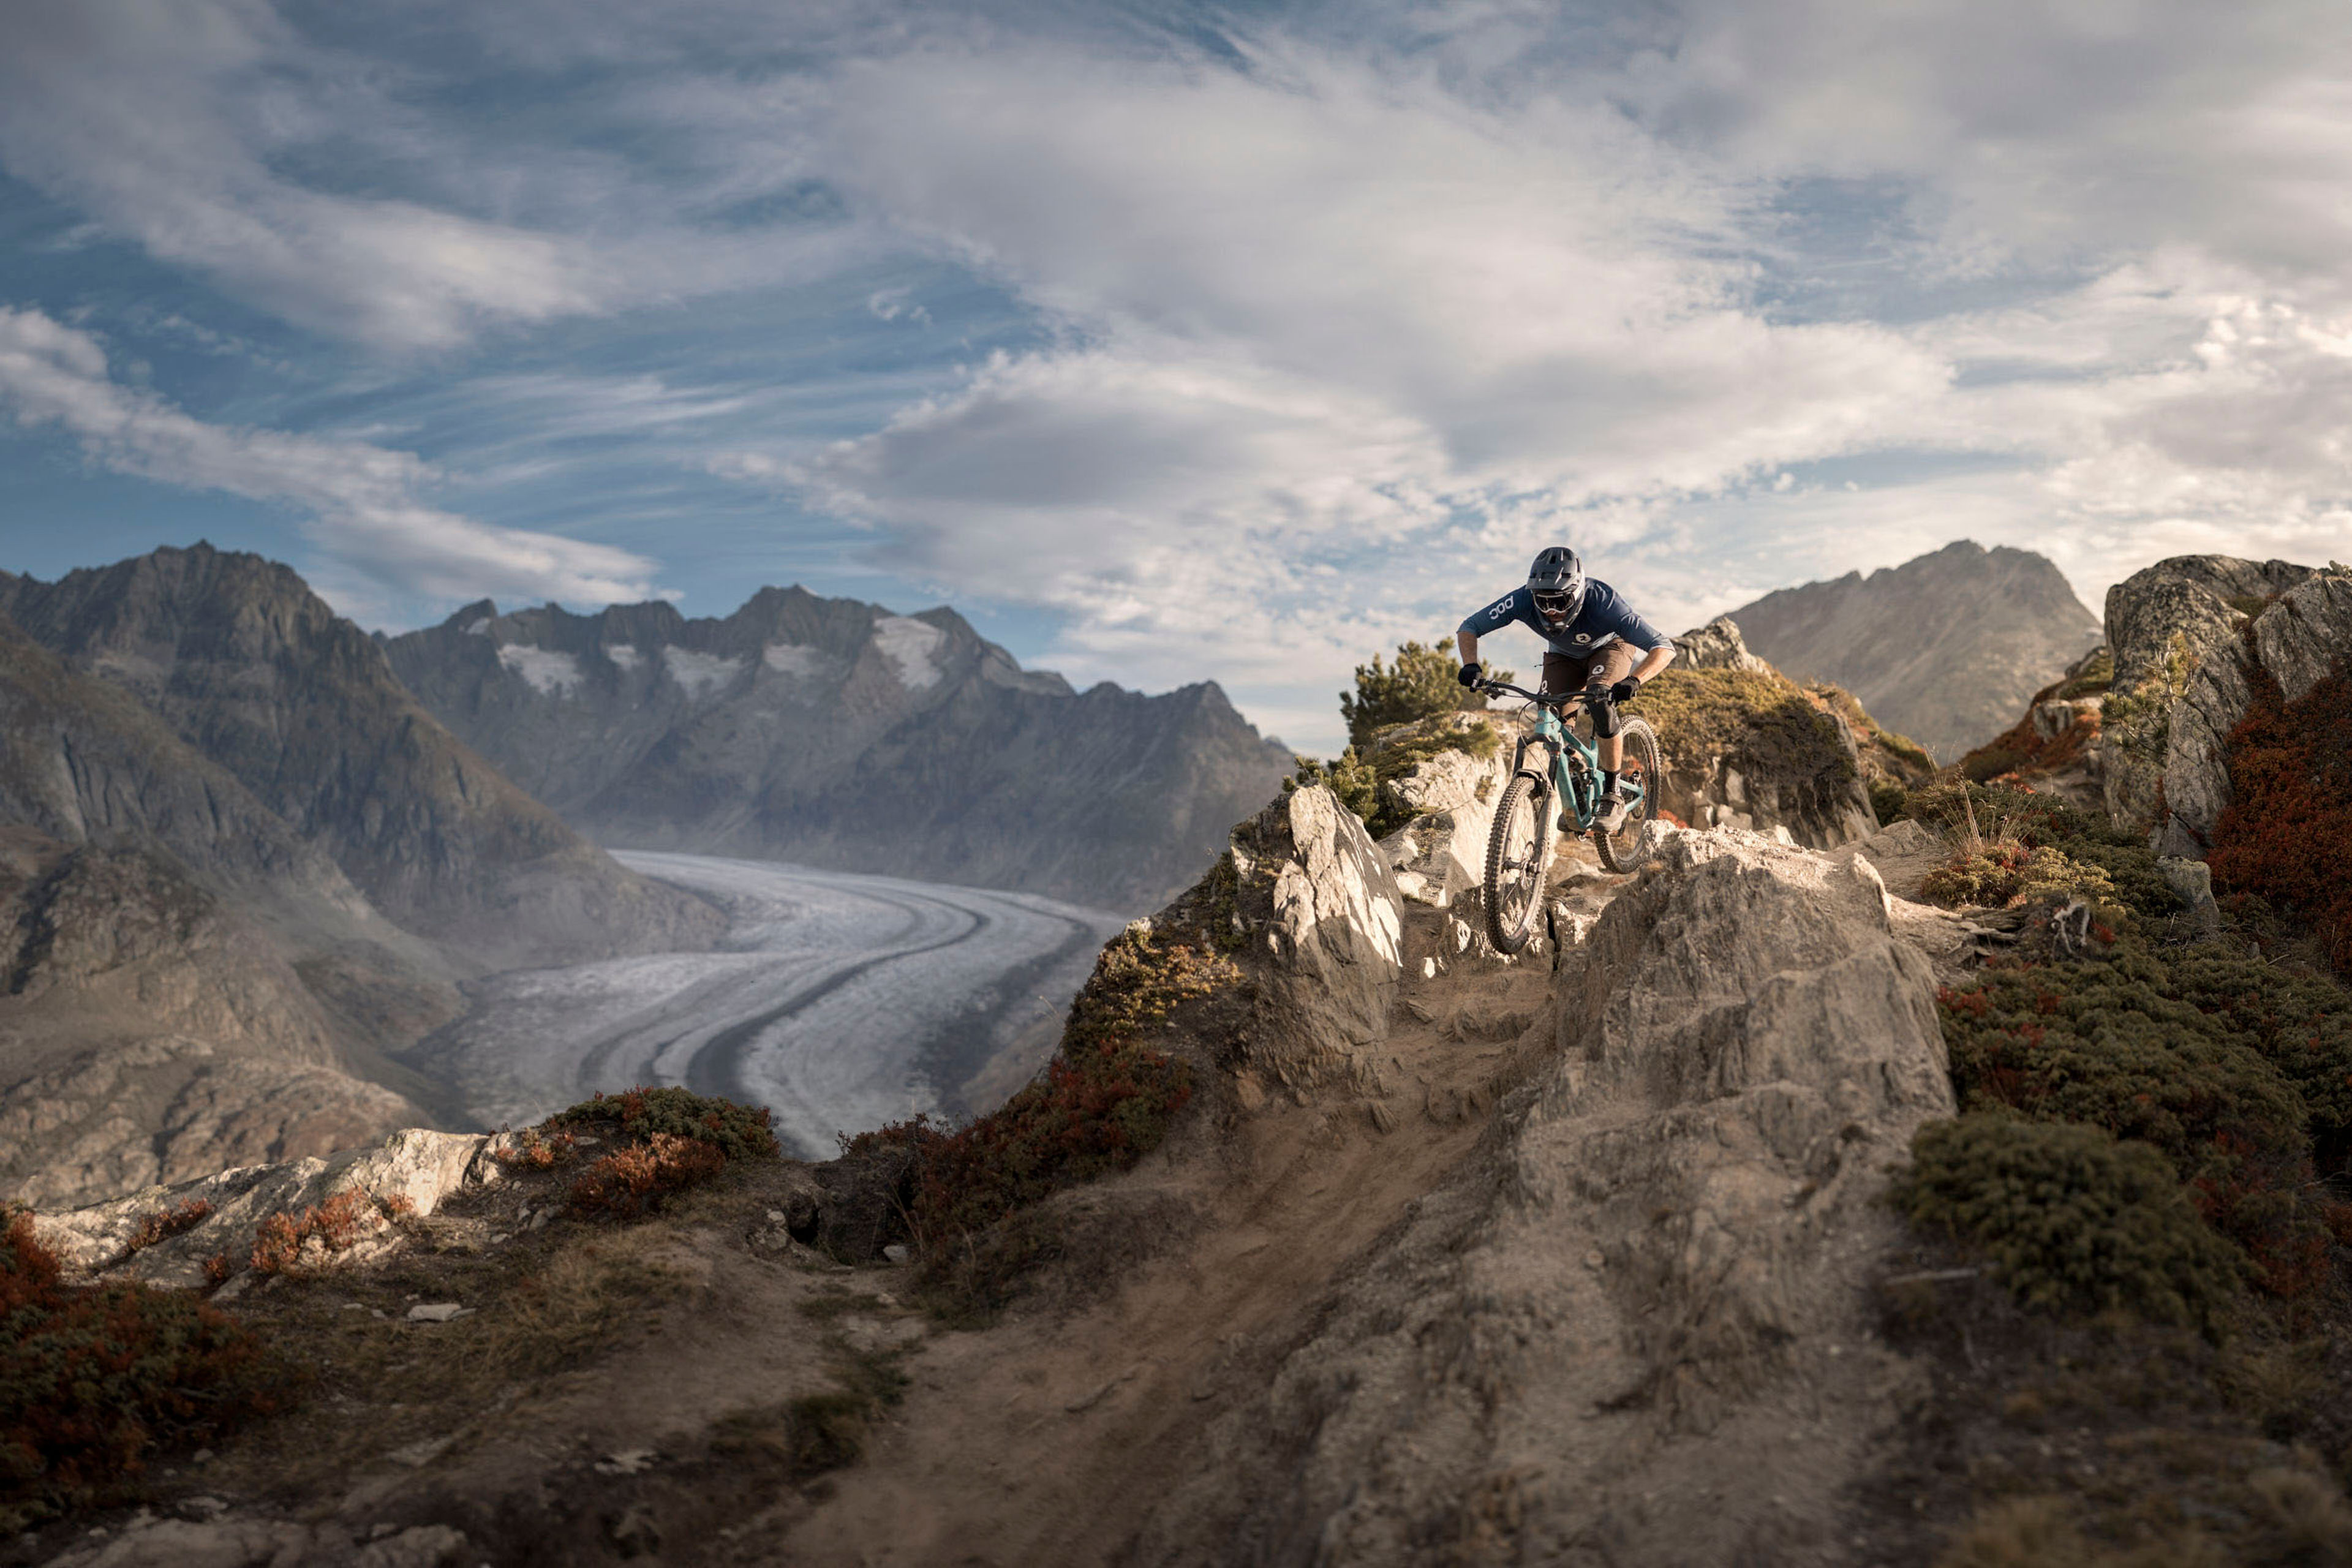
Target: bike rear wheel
(1641, 766)
(1516, 853)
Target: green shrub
(1424, 682)
(1764, 724)
(2301, 1024)
(2003, 818)
(1888, 798)
(738, 1132)
(93, 1382)
(2111, 1044)
(2073, 1220)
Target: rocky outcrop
(1719, 645)
(403, 1177)
(832, 732)
(1945, 648)
(1634, 1326)
(251, 671)
(1320, 907)
(2294, 638)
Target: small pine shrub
(2073, 1220)
(2286, 834)
(2013, 874)
(2113, 1046)
(627, 1182)
(95, 1381)
(738, 1131)
(1424, 681)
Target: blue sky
(1166, 341)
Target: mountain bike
(1554, 762)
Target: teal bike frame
(1575, 772)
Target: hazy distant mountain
(185, 982)
(254, 672)
(1945, 648)
(836, 733)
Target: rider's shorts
(1562, 673)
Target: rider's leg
(1611, 666)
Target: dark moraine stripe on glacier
(839, 1000)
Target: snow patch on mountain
(700, 673)
(624, 656)
(547, 671)
(913, 646)
(790, 658)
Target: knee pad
(1605, 716)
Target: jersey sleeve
(1493, 617)
(1632, 628)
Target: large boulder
(2292, 637)
(2167, 625)
(1635, 1327)
(1326, 939)
(1717, 646)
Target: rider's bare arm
(1469, 646)
(1659, 658)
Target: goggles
(1553, 603)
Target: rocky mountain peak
(1945, 647)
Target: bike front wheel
(1642, 768)
(1516, 853)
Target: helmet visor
(1553, 601)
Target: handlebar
(1547, 698)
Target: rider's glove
(1469, 675)
(1624, 689)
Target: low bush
(2115, 1045)
(2286, 834)
(2073, 1220)
(166, 1224)
(532, 1150)
(338, 1225)
(2012, 874)
(738, 1131)
(1989, 819)
(627, 1182)
(93, 1382)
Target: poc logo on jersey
(1495, 612)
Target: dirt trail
(1043, 1440)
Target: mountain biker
(1589, 637)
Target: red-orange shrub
(534, 1151)
(164, 1224)
(338, 1225)
(94, 1380)
(2287, 832)
(628, 1181)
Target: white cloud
(362, 499)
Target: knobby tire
(1619, 850)
(1521, 798)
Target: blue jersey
(1604, 619)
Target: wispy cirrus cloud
(363, 501)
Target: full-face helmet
(1557, 582)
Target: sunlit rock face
(836, 733)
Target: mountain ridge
(1943, 648)
(837, 733)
